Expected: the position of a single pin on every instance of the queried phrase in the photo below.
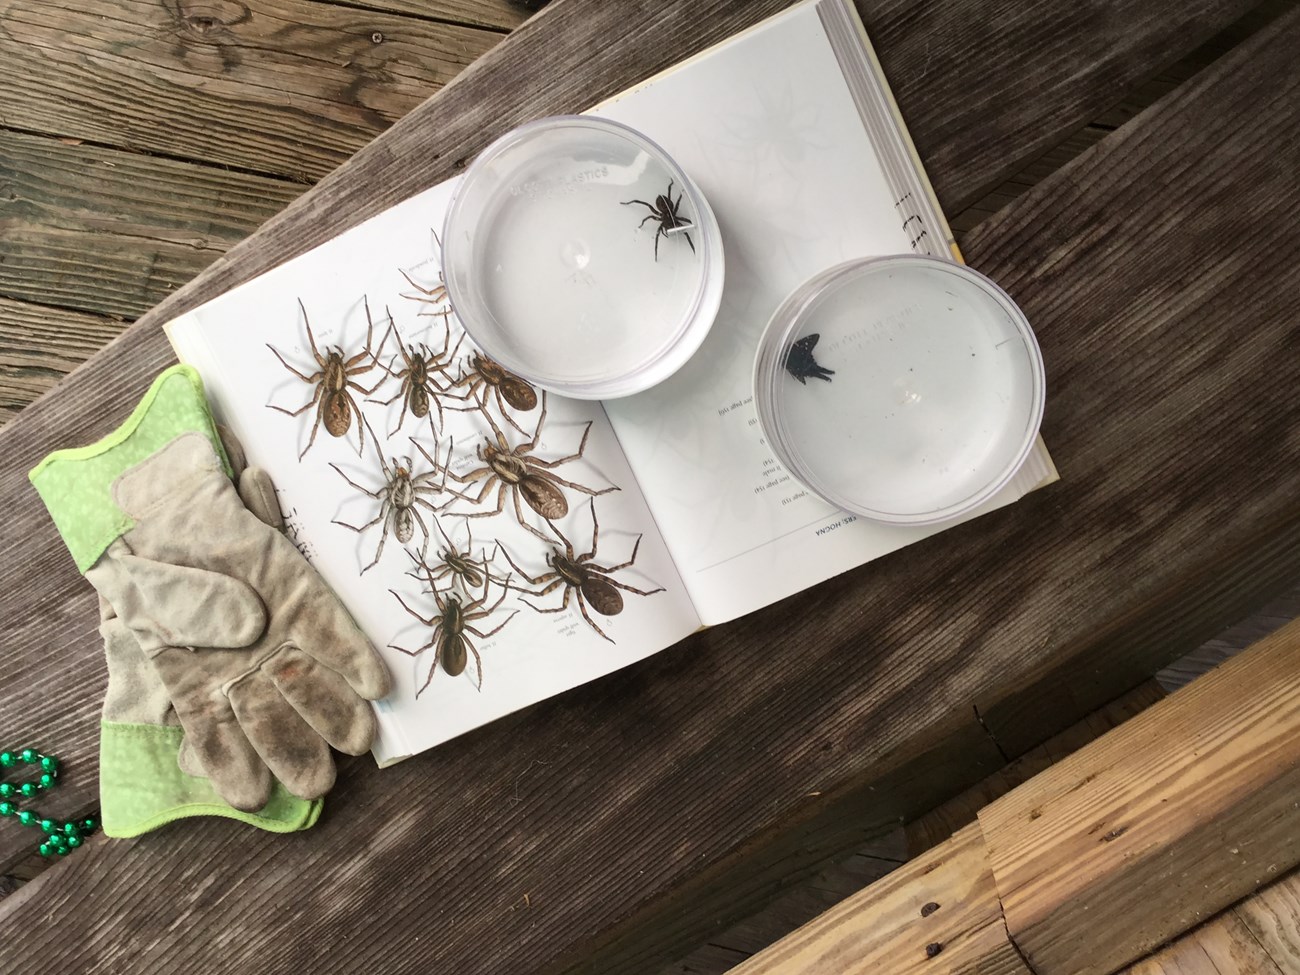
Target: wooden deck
(140, 140)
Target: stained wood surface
(1258, 936)
(941, 822)
(939, 915)
(1170, 818)
(647, 774)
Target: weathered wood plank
(284, 87)
(39, 345)
(1166, 820)
(1222, 947)
(1272, 916)
(938, 824)
(115, 232)
(647, 772)
(502, 15)
(888, 928)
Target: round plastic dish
(905, 389)
(578, 255)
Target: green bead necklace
(60, 838)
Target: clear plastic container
(578, 255)
(905, 389)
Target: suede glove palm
(264, 667)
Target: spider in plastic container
(665, 211)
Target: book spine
(914, 198)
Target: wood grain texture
(39, 345)
(883, 929)
(283, 87)
(113, 232)
(1224, 946)
(938, 824)
(1164, 821)
(1272, 916)
(501, 15)
(629, 801)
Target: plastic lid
(578, 255)
(905, 389)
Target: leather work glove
(264, 667)
(148, 776)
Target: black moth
(799, 362)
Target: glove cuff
(76, 484)
(141, 787)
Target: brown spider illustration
(583, 578)
(485, 375)
(437, 295)
(334, 385)
(458, 565)
(450, 628)
(516, 470)
(419, 389)
(664, 212)
(401, 494)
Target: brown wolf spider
(484, 374)
(400, 497)
(458, 565)
(419, 389)
(583, 578)
(450, 626)
(334, 384)
(516, 470)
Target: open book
(500, 545)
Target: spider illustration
(458, 565)
(436, 296)
(334, 385)
(799, 361)
(664, 211)
(484, 375)
(419, 389)
(452, 627)
(400, 497)
(518, 471)
(582, 577)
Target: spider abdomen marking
(544, 498)
(454, 657)
(338, 413)
(604, 598)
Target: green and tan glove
(264, 667)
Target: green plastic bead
(44, 849)
(29, 755)
(28, 818)
(71, 829)
(50, 763)
(29, 789)
(49, 826)
(7, 789)
(46, 780)
(62, 851)
(57, 841)
(7, 808)
(7, 759)
(74, 842)
(90, 823)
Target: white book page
(530, 648)
(767, 129)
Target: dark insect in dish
(483, 375)
(419, 389)
(334, 385)
(799, 362)
(458, 565)
(665, 212)
(452, 628)
(517, 470)
(583, 578)
(400, 497)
